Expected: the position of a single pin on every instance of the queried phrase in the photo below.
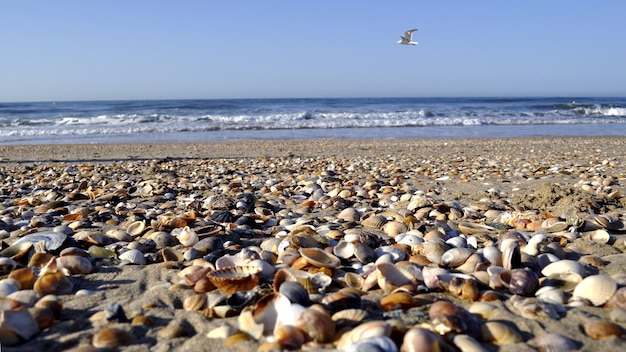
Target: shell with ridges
(235, 278)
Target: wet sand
(569, 179)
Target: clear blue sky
(151, 49)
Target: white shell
(20, 322)
(597, 289)
(133, 256)
(564, 266)
(187, 237)
(344, 249)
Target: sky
(200, 49)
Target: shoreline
(253, 148)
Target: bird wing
(408, 34)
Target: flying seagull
(406, 38)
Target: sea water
(151, 121)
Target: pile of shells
(346, 255)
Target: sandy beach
(535, 201)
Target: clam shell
(394, 228)
(187, 237)
(420, 339)
(6, 265)
(455, 256)
(551, 342)
(320, 258)
(391, 277)
(349, 316)
(378, 343)
(75, 264)
(235, 278)
(133, 256)
(136, 228)
(344, 249)
(53, 240)
(470, 228)
(563, 266)
(20, 322)
(195, 302)
(597, 289)
(499, 333)
(317, 324)
(349, 214)
(52, 283)
(364, 253)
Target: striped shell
(235, 278)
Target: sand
(555, 176)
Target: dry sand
(556, 175)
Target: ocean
(153, 121)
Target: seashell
(111, 338)
(603, 329)
(457, 242)
(349, 214)
(235, 278)
(492, 255)
(597, 289)
(482, 309)
(75, 264)
(354, 280)
(221, 332)
(466, 343)
(7, 288)
(364, 253)
(52, 283)
(374, 222)
(345, 298)
(618, 300)
(51, 302)
(317, 324)
(100, 252)
(349, 317)
(6, 265)
(551, 342)
(43, 316)
(419, 339)
(133, 256)
(289, 337)
(408, 239)
(550, 294)
(554, 225)
(454, 257)
(499, 333)
(374, 328)
(511, 255)
(119, 235)
(433, 250)
(136, 228)
(196, 301)
(52, 240)
(18, 322)
(563, 266)
(523, 282)
(344, 249)
(320, 258)
(170, 254)
(394, 228)
(398, 300)
(391, 277)
(447, 318)
(379, 343)
(187, 237)
(600, 236)
(466, 289)
(295, 292)
(16, 251)
(470, 228)
(26, 298)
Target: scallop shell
(374, 222)
(366, 330)
(195, 302)
(597, 289)
(133, 256)
(320, 258)
(235, 278)
(349, 316)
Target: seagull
(406, 38)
